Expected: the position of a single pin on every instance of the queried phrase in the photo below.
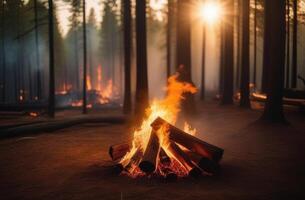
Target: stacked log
(197, 157)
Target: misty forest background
(24, 50)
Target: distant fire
(99, 92)
(33, 114)
(64, 89)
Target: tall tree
(255, 43)
(288, 44)
(92, 32)
(127, 54)
(227, 96)
(202, 92)
(238, 49)
(275, 63)
(84, 59)
(109, 31)
(38, 75)
(184, 50)
(294, 45)
(75, 24)
(169, 35)
(141, 48)
(3, 55)
(245, 68)
(51, 109)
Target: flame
(99, 78)
(79, 103)
(88, 83)
(168, 109)
(33, 114)
(64, 89)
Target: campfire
(161, 149)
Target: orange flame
(168, 109)
(33, 114)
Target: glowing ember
(33, 114)
(64, 89)
(168, 109)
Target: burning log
(164, 158)
(148, 163)
(204, 163)
(118, 151)
(181, 157)
(190, 142)
(133, 161)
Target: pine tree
(245, 67)
(274, 47)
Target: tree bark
(275, 63)
(141, 47)
(51, 108)
(184, 51)
(237, 78)
(38, 78)
(168, 37)
(255, 44)
(227, 96)
(202, 93)
(245, 68)
(288, 45)
(85, 60)
(3, 52)
(295, 45)
(127, 55)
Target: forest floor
(261, 161)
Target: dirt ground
(261, 161)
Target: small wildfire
(168, 109)
(33, 114)
(98, 92)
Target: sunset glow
(210, 12)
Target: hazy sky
(63, 12)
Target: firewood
(207, 165)
(133, 161)
(148, 163)
(117, 151)
(163, 157)
(181, 157)
(190, 142)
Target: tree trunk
(202, 93)
(51, 106)
(227, 97)
(127, 55)
(38, 78)
(184, 51)
(239, 3)
(141, 48)
(255, 44)
(168, 37)
(3, 52)
(288, 45)
(295, 45)
(221, 66)
(275, 64)
(85, 60)
(245, 68)
(76, 56)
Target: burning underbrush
(96, 96)
(159, 148)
